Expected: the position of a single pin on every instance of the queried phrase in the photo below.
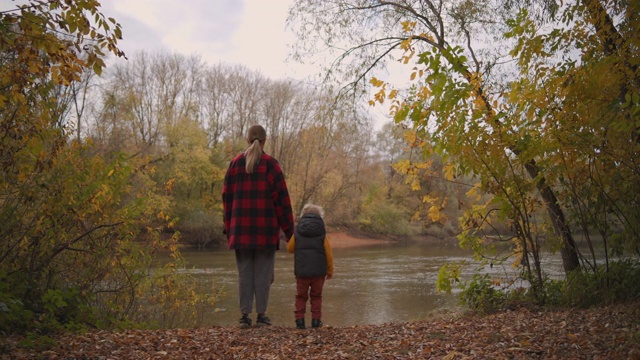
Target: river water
(371, 285)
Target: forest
(515, 131)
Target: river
(372, 284)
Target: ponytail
(255, 137)
(252, 155)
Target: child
(313, 263)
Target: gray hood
(311, 225)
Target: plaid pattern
(256, 205)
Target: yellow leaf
(428, 199)
(408, 26)
(402, 166)
(434, 213)
(475, 192)
(415, 184)
(375, 82)
(410, 137)
(449, 171)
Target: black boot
(300, 323)
(316, 323)
(245, 322)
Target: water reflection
(371, 285)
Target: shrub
(23, 309)
(621, 282)
(171, 299)
(385, 218)
(481, 296)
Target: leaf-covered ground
(611, 332)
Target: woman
(256, 208)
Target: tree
(53, 198)
(590, 124)
(245, 92)
(185, 177)
(39, 44)
(287, 108)
(466, 104)
(154, 92)
(215, 112)
(451, 79)
(71, 216)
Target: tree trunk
(569, 252)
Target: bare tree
(215, 111)
(142, 98)
(246, 88)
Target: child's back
(310, 258)
(313, 263)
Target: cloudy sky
(248, 32)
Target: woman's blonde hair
(256, 135)
(312, 209)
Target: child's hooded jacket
(313, 256)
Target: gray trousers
(255, 276)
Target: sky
(247, 32)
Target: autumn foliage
(531, 105)
(70, 215)
(517, 131)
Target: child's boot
(300, 323)
(316, 323)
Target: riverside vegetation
(530, 147)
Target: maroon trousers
(309, 287)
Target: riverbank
(611, 332)
(341, 238)
(344, 240)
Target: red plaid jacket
(256, 205)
